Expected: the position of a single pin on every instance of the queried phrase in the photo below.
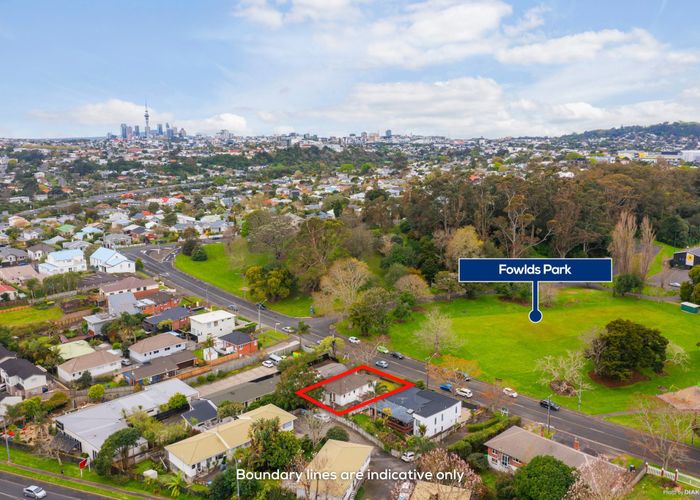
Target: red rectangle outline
(405, 384)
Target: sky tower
(147, 130)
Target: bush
(338, 433)
(463, 448)
(626, 283)
(476, 439)
(478, 461)
(199, 254)
(483, 425)
(56, 401)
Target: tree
(338, 433)
(138, 264)
(273, 236)
(229, 409)
(463, 243)
(170, 219)
(673, 230)
(625, 347)
(331, 344)
(370, 312)
(340, 288)
(566, 232)
(118, 443)
(177, 401)
(271, 448)
(448, 283)
(600, 480)
(271, 282)
(199, 254)
(543, 478)
(85, 380)
(686, 291)
(439, 460)
(96, 392)
(295, 375)
(647, 248)
(176, 484)
(627, 283)
(437, 333)
(189, 246)
(413, 285)
(224, 486)
(622, 245)
(315, 246)
(677, 356)
(564, 374)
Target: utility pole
(549, 412)
(427, 364)
(7, 444)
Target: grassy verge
(632, 421)
(271, 337)
(654, 488)
(665, 253)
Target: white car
(323, 417)
(510, 392)
(288, 329)
(34, 492)
(408, 456)
(268, 364)
(464, 392)
(354, 340)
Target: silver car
(34, 492)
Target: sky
(463, 69)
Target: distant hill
(668, 130)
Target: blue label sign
(534, 271)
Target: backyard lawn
(227, 272)
(29, 315)
(499, 336)
(271, 337)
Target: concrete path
(234, 380)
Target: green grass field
(29, 315)
(499, 336)
(228, 274)
(665, 253)
(271, 337)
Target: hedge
(483, 425)
(473, 441)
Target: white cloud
(223, 121)
(296, 11)
(259, 12)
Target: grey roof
(236, 338)
(122, 302)
(349, 383)
(21, 368)
(172, 314)
(247, 392)
(164, 364)
(202, 410)
(422, 402)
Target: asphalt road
(11, 486)
(595, 435)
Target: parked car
(382, 364)
(548, 403)
(323, 417)
(466, 377)
(408, 456)
(510, 392)
(397, 355)
(464, 392)
(288, 329)
(34, 492)
(233, 307)
(674, 284)
(446, 387)
(268, 364)
(354, 340)
(126, 362)
(382, 349)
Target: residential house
(157, 302)
(22, 378)
(110, 261)
(212, 324)
(39, 251)
(97, 363)
(55, 241)
(350, 389)
(74, 349)
(248, 392)
(334, 461)
(75, 245)
(236, 342)
(89, 427)
(88, 233)
(204, 452)
(160, 345)
(416, 410)
(8, 292)
(160, 369)
(140, 287)
(177, 318)
(95, 322)
(202, 414)
(122, 303)
(116, 240)
(515, 447)
(66, 230)
(63, 261)
(13, 257)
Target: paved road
(11, 486)
(595, 435)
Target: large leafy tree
(271, 448)
(543, 478)
(370, 313)
(272, 282)
(118, 443)
(315, 247)
(296, 374)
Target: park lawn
(29, 315)
(271, 337)
(653, 488)
(499, 336)
(665, 253)
(631, 420)
(228, 273)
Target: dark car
(262, 306)
(466, 376)
(446, 387)
(397, 355)
(546, 403)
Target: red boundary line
(405, 384)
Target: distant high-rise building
(137, 131)
(129, 132)
(182, 133)
(160, 129)
(147, 130)
(125, 131)
(387, 134)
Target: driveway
(234, 380)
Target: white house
(352, 388)
(110, 261)
(206, 451)
(22, 378)
(163, 344)
(340, 466)
(98, 363)
(63, 261)
(212, 324)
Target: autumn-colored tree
(601, 480)
(622, 245)
(436, 333)
(341, 286)
(463, 243)
(413, 285)
(439, 460)
(646, 247)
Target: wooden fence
(16, 308)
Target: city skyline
(434, 67)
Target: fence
(69, 319)
(16, 308)
(349, 423)
(674, 476)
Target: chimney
(577, 445)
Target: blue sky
(457, 68)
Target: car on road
(233, 307)
(383, 349)
(548, 403)
(674, 284)
(288, 329)
(34, 492)
(408, 456)
(446, 387)
(382, 364)
(126, 362)
(510, 392)
(397, 355)
(323, 417)
(261, 306)
(268, 364)
(466, 377)
(354, 340)
(464, 392)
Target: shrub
(483, 425)
(338, 433)
(478, 461)
(57, 400)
